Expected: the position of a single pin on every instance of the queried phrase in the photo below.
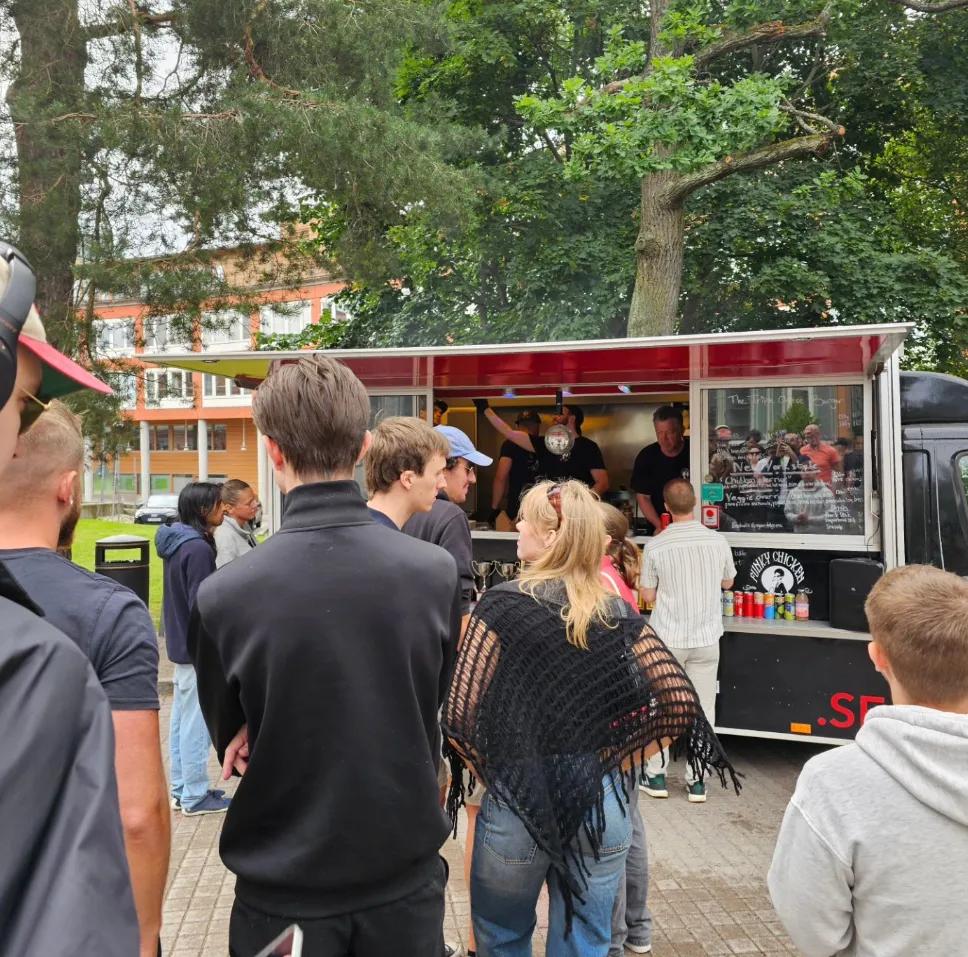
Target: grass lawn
(89, 530)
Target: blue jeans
(509, 870)
(631, 919)
(188, 740)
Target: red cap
(61, 375)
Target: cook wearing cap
(518, 467)
(32, 372)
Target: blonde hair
(575, 556)
(53, 445)
(401, 444)
(919, 616)
(623, 552)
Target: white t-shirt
(687, 564)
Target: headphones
(15, 305)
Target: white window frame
(231, 395)
(285, 318)
(185, 393)
(112, 329)
(235, 338)
(330, 311)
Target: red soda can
(758, 604)
(748, 602)
(666, 520)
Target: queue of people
(333, 664)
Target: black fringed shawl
(542, 722)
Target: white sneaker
(638, 948)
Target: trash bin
(128, 570)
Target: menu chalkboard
(782, 459)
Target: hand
(236, 754)
(481, 405)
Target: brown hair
(575, 556)
(623, 552)
(401, 444)
(233, 489)
(317, 411)
(679, 496)
(919, 616)
(53, 445)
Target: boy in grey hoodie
(872, 855)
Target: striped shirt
(686, 565)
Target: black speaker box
(851, 580)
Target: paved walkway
(708, 867)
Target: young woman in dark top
(187, 548)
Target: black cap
(527, 417)
(15, 305)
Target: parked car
(158, 510)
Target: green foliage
(795, 419)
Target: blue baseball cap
(461, 447)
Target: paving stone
(708, 866)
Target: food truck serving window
(787, 459)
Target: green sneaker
(655, 786)
(696, 792)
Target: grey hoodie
(872, 855)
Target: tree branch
(772, 32)
(769, 155)
(140, 18)
(255, 68)
(942, 7)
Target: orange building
(195, 426)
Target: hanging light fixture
(243, 447)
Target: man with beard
(40, 503)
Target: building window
(217, 438)
(224, 329)
(160, 483)
(185, 437)
(219, 387)
(159, 438)
(114, 336)
(285, 318)
(329, 311)
(157, 333)
(167, 385)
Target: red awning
(638, 365)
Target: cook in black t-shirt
(585, 456)
(525, 471)
(653, 468)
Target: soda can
(758, 604)
(728, 606)
(789, 612)
(748, 601)
(666, 520)
(769, 609)
(738, 608)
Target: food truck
(889, 486)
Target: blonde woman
(559, 693)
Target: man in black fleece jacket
(322, 658)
